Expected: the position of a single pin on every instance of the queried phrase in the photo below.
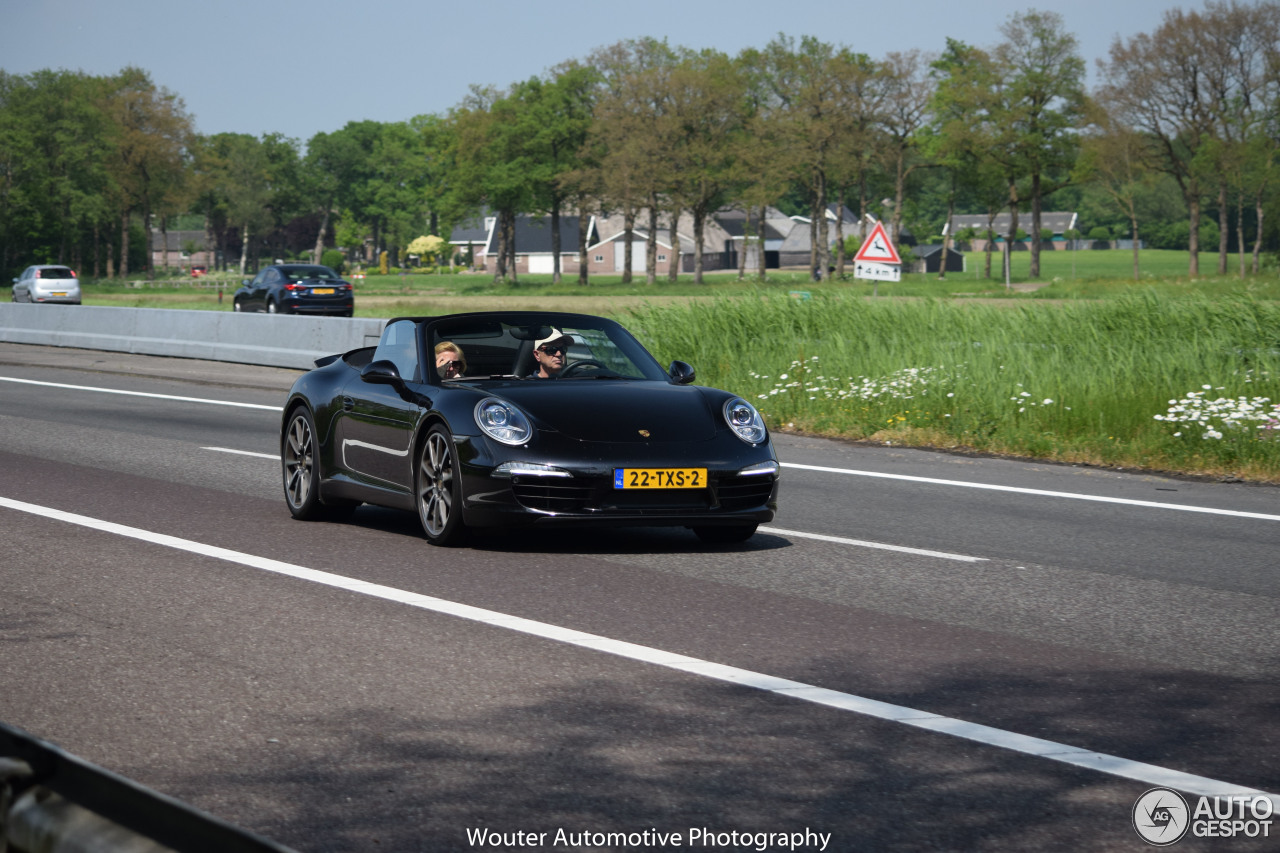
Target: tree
(1156, 84)
(1045, 100)
(53, 182)
(809, 88)
(555, 118)
(337, 171)
(634, 138)
(1112, 157)
(909, 94)
(708, 114)
(150, 133)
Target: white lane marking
(1041, 492)
(272, 456)
(862, 543)
(142, 394)
(1149, 774)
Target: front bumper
(575, 491)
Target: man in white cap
(549, 354)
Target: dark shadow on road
(604, 756)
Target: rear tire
(300, 466)
(438, 489)
(272, 308)
(726, 534)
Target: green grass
(1079, 381)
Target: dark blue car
(296, 289)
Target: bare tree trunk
(699, 221)
(991, 230)
(1240, 230)
(763, 260)
(124, 243)
(1193, 241)
(150, 263)
(1257, 242)
(584, 228)
(555, 240)
(318, 251)
(500, 262)
(746, 235)
(813, 246)
(1034, 272)
(97, 251)
(1224, 229)
(673, 230)
(840, 233)
(824, 245)
(164, 240)
(511, 246)
(946, 233)
(244, 249)
(1012, 235)
(651, 246)
(628, 233)
(1133, 230)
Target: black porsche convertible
(515, 418)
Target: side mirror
(244, 282)
(382, 372)
(681, 373)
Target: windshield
(502, 345)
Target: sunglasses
(552, 349)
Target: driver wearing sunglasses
(450, 362)
(550, 353)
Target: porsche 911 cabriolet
(500, 419)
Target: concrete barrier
(272, 340)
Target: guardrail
(273, 340)
(53, 800)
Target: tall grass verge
(1094, 382)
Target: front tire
(439, 489)
(726, 535)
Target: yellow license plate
(322, 291)
(659, 478)
(59, 293)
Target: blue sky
(259, 66)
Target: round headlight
(502, 421)
(745, 421)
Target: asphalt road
(923, 651)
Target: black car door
(375, 429)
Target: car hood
(617, 411)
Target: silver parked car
(47, 283)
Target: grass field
(1083, 366)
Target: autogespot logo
(1161, 817)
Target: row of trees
(1186, 120)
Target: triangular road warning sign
(877, 248)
